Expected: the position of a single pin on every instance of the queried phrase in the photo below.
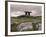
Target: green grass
(21, 19)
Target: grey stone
(24, 26)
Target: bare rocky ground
(25, 26)
(28, 26)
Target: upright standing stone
(27, 13)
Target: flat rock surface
(25, 26)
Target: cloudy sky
(17, 10)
